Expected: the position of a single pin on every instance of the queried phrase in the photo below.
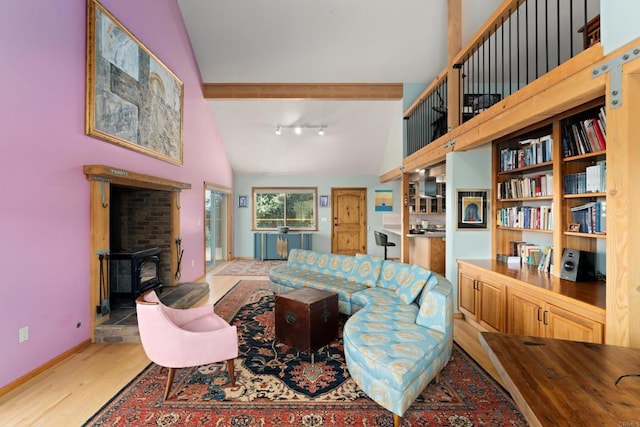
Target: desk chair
(381, 240)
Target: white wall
(619, 23)
(466, 170)
(321, 241)
(392, 157)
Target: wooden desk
(568, 383)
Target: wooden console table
(568, 383)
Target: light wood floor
(68, 393)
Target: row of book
(526, 217)
(590, 217)
(531, 152)
(588, 135)
(531, 254)
(593, 179)
(534, 186)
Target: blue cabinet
(278, 245)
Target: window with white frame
(293, 207)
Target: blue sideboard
(278, 245)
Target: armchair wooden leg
(232, 375)
(170, 375)
(396, 420)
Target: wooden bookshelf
(558, 167)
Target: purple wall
(44, 214)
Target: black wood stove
(133, 272)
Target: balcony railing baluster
(495, 66)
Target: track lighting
(298, 129)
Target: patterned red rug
(248, 267)
(278, 386)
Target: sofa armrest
(436, 306)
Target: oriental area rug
(278, 386)
(248, 267)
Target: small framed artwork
(324, 201)
(473, 209)
(574, 226)
(384, 201)
(242, 201)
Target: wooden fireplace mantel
(101, 178)
(125, 177)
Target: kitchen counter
(396, 230)
(429, 234)
(425, 249)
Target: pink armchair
(175, 338)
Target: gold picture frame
(132, 98)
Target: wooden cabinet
(482, 301)
(277, 245)
(428, 252)
(495, 298)
(427, 205)
(530, 315)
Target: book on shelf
(514, 247)
(539, 185)
(591, 217)
(584, 135)
(509, 259)
(545, 259)
(595, 177)
(526, 251)
(532, 151)
(526, 217)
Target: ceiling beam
(302, 91)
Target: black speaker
(578, 265)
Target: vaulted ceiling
(304, 41)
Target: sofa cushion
(366, 269)
(411, 285)
(392, 273)
(368, 296)
(332, 264)
(436, 305)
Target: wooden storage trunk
(306, 319)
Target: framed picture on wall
(472, 209)
(132, 98)
(324, 201)
(242, 201)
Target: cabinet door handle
(546, 317)
(539, 310)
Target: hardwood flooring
(68, 393)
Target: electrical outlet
(23, 334)
(193, 263)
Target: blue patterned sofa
(399, 334)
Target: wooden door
(524, 314)
(566, 325)
(349, 228)
(491, 307)
(467, 295)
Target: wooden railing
(520, 42)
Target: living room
(47, 74)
